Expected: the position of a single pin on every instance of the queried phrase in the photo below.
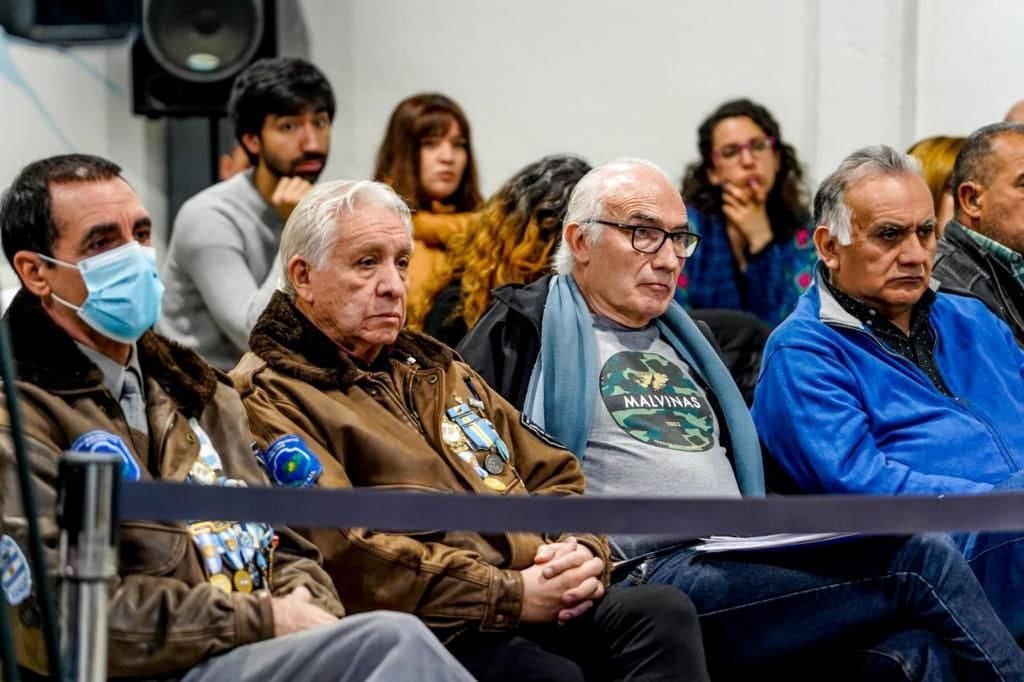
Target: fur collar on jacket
(47, 357)
(291, 344)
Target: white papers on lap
(730, 543)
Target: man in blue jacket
(878, 383)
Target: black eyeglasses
(757, 146)
(647, 239)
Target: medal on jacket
(469, 458)
(221, 582)
(495, 484)
(242, 581)
(247, 543)
(465, 428)
(494, 464)
(243, 546)
(478, 430)
(229, 540)
(452, 436)
(209, 548)
(263, 536)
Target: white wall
(597, 77)
(601, 78)
(58, 101)
(606, 78)
(970, 63)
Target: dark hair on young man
(787, 199)
(26, 217)
(972, 163)
(413, 121)
(278, 86)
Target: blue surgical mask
(125, 291)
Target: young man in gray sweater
(220, 270)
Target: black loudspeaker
(69, 22)
(189, 52)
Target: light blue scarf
(563, 385)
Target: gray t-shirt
(654, 432)
(220, 270)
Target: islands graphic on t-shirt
(654, 401)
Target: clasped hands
(563, 583)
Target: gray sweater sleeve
(211, 251)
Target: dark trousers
(640, 633)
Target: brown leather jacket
(381, 427)
(164, 616)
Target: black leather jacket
(962, 264)
(503, 345)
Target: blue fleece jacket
(840, 412)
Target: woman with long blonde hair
(510, 241)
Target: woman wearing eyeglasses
(747, 199)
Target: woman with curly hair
(427, 157)
(511, 241)
(747, 199)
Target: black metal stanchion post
(28, 501)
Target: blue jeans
(762, 609)
(997, 560)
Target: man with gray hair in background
(982, 248)
(878, 383)
(610, 365)
(339, 395)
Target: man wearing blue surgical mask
(99, 222)
(206, 600)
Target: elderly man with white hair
(878, 383)
(612, 367)
(340, 396)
